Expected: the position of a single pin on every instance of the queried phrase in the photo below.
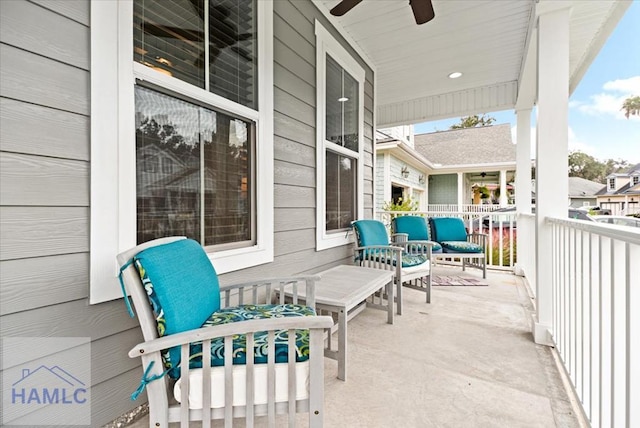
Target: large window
(340, 93)
(171, 37)
(203, 190)
(182, 127)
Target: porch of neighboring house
(466, 359)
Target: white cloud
(575, 143)
(630, 86)
(609, 102)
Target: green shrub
(402, 205)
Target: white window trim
(327, 44)
(113, 166)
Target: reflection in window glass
(193, 172)
(340, 191)
(341, 106)
(169, 37)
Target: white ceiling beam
(484, 99)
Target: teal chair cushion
(410, 260)
(182, 286)
(243, 313)
(416, 227)
(448, 229)
(371, 232)
(461, 247)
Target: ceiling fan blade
(173, 32)
(422, 10)
(344, 6)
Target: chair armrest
(231, 329)
(377, 256)
(478, 238)
(398, 238)
(419, 247)
(264, 289)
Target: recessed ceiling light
(343, 99)
(455, 75)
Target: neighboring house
(446, 168)
(621, 193)
(583, 192)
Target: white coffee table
(343, 289)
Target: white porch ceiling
(486, 40)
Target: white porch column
(503, 187)
(386, 181)
(460, 190)
(523, 161)
(523, 186)
(552, 149)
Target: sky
(597, 126)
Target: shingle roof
(482, 145)
(579, 186)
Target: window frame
(326, 44)
(611, 183)
(113, 167)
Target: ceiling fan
(422, 9)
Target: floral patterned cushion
(249, 312)
(461, 247)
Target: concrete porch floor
(465, 360)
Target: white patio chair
(186, 316)
(409, 260)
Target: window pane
(340, 192)
(342, 106)
(227, 159)
(176, 175)
(169, 37)
(233, 50)
(168, 199)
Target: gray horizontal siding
(73, 319)
(39, 180)
(43, 231)
(37, 282)
(44, 198)
(44, 174)
(39, 80)
(35, 29)
(77, 10)
(26, 128)
(294, 196)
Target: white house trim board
(347, 37)
(497, 97)
(113, 167)
(326, 44)
(553, 135)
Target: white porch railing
(596, 283)
(467, 208)
(500, 228)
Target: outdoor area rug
(456, 280)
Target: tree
(631, 106)
(473, 122)
(587, 167)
